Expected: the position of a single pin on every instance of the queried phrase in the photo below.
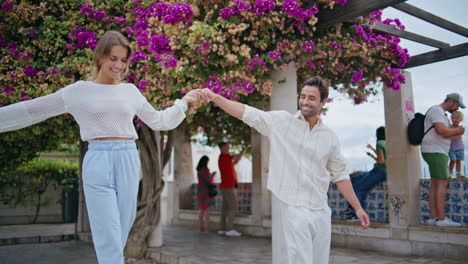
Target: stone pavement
(182, 246)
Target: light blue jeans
(111, 170)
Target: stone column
(284, 94)
(183, 168)
(403, 161)
(283, 97)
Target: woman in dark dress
(204, 200)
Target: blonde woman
(104, 108)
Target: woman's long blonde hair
(103, 49)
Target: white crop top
(101, 110)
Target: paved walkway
(182, 246)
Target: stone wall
(376, 201)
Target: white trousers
(300, 235)
(110, 180)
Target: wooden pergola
(356, 8)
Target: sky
(355, 125)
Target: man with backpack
(435, 147)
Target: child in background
(457, 148)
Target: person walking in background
(228, 187)
(304, 157)
(457, 148)
(204, 200)
(434, 148)
(104, 108)
(365, 181)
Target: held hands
(209, 95)
(199, 95)
(363, 218)
(194, 96)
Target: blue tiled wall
(244, 198)
(456, 206)
(376, 203)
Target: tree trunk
(83, 225)
(149, 198)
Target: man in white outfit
(304, 157)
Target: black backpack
(416, 131)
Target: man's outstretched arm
(346, 188)
(235, 109)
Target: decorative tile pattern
(244, 198)
(456, 206)
(376, 203)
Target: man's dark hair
(221, 145)
(320, 83)
(380, 133)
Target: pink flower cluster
(275, 54)
(396, 77)
(138, 55)
(167, 60)
(308, 45)
(260, 7)
(204, 50)
(216, 84)
(291, 7)
(80, 38)
(255, 61)
(92, 13)
(7, 6)
(263, 6)
(341, 2)
(238, 7)
(169, 14)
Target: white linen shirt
(433, 142)
(101, 110)
(302, 161)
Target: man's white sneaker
(432, 221)
(221, 232)
(233, 233)
(447, 222)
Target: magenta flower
(336, 46)
(178, 12)
(8, 91)
(308, 45)
(262, 6)
(242, 5)
(357, 77)
(341, 2)
(255, 61)
(143, 41)
(142, 85)
(138, 55)
(171, 61)
(275, 54)
(228, 12)
(160, 9)
(159, 44)
(29, 71)
(7, 6)
(120, 20)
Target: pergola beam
(433, 19)
(352, 9)
(410, 36)
(438, 55)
